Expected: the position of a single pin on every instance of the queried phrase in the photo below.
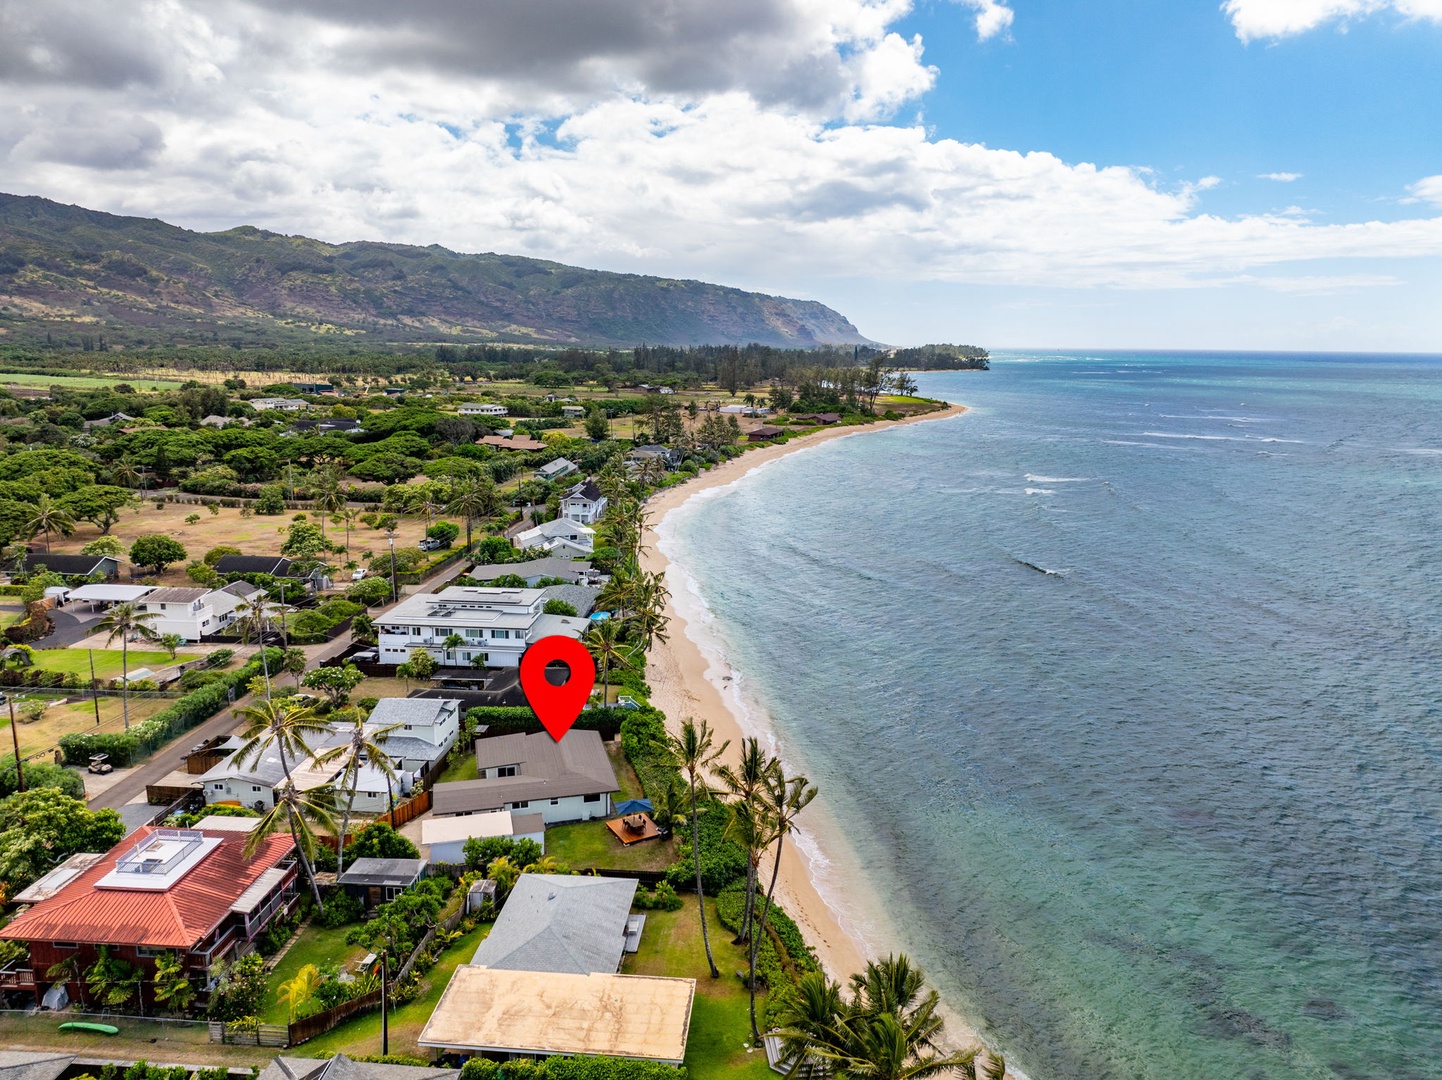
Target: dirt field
(254, 535)
(77, 714)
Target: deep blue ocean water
(1125, 688)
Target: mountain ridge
(142, 280)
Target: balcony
(19, 978)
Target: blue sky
(1356, 108)
(1005, 172)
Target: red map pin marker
(557, 706)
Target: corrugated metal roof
(252, 898)
(178, 918)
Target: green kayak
(99, 1029)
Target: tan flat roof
(541, 1012)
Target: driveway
(71, 628)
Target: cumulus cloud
(1254, 19)
(992, 18)
(600, 148)
(1280, 177)
(1428, 189)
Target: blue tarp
(634, 806)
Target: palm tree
(297, 812)
(888, 1030)
(693, 753)
(253, 617)
(67, 970)
(172, 983)
(749, 822)
(648, 615)
(47, 516)
(328, 494)
(171, 643)
(124, 622)
(301, 990)
(451, 644)
(349, 515)
(126, 473)
(361, 749)
(608, 650)
(473, 498)
(781, 801)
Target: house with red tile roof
(190, 892)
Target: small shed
(374, 881)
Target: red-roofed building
(188, 891)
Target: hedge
(510, 719)
(125, 747)
(783, 955)
(579, 1067)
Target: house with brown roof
(188, 892)
(569, 780)
(516, 442)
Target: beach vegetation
(693, 753)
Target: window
(591, 798)
(520, 805)
(405, 727)
(505, 770)
(416, 631)
(555, 802)
(500, 633)
(254, 787)
(148, 950)
(473, 632)
(217, 787)
(67, 944)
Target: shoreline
(680, 675)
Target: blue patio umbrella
(634, 806)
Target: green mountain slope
(65, 269)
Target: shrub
(338, 609)
(369, 591)
(340, 908)
(559, 607)
(220, 658)
(271, 501)
(380, 841)
(662, 898)
(156, 552)
(481, 851)
(444, 531)
(220, 551)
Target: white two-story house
(428, 729)
(495, 626)
(562, 538)
(194, 613)
(583, 503)
(481, 408)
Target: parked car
(358, 575)
(429, 544)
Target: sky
(1254, 174)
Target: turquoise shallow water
(1131, 675)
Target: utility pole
(15, 737)
(94, 694)
(385, 1008)
(392, 539)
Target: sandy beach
(676, 671)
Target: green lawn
(716, 1047)
(464, 769)
(590, 843)
(10, 614)
(316, 945)
(107, 661)
(363, 1034)
(625, 775)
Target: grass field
(107, 661)
(717, 1046)
(85, 382)
(11, 613)
(316, 945)
(363, 1034)
(588, 844)
(75, 715)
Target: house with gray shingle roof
(566, 925)
(569, 780)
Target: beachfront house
(562, 538)
(531, 571)
(565, 781)
(583, 503)
(496, 625)
(191, 893)
(545, 982)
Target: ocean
(1122, 691)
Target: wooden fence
(317, 1024)
(166, 794)
(276, 1035)
(412, 808)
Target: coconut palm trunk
(700, 890)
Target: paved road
(172, 756)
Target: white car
(357, 575)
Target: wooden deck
(648, 830)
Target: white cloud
(1254, 19)
(1280, 177)
(992, 18)
(1428, 189)
(218, 115)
